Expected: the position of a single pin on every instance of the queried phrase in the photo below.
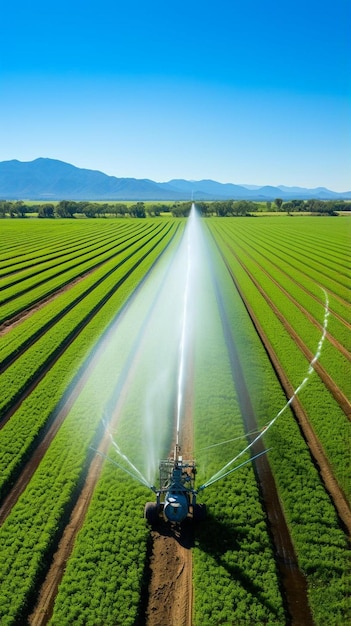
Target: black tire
(151, 512)
(199, 512)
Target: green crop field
(78, 324)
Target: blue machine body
(177, 500)
(176, 496)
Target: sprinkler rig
(176, 497)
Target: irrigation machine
(176, 496)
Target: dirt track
(170, 588)
(293, 582)
(46, 598)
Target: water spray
(184, 329)
(136, 476)
(131, 470)
(224, 471)
(176, 495)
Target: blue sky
(251, 92)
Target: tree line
(225, 208)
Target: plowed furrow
(338, 395)
(293, 582)
(315, 446)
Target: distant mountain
(321, 193)
(210, 189)
(49, 179)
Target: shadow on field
(182, 533)
(216, 539)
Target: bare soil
(48, 591)
(14, 321)
(170, 588)
(170, 568)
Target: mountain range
(49, 179)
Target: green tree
(66, 208)
(288, 207)
(137, 210)
(46, 211)
(122, 209)
(20, 208)
(5, 207)
(89, 210)
(181, 209)
(243, 207)
(278, 203)
(153, 209)
(203, 208)
(101, 209)
(222, 208)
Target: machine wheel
(199, 512)
(151, 512)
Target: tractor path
(293, 582)
(170, 593)
(48, 590)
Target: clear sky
(246, 92)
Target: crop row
(235, 574)
(53, 485)
(308, 510)
(15, 301)
(37, 324)
(20, 255)
(325, 415)
(234, 569)
(310, 236)
(36, 359)
(24, 241)
(116, 518)
(19, 433)
(284, 256)
(296, 286)
(317, 260)
(297, 270)
(48, 258)
(308, 329)
(23, 334)
(119, 553)
(295, 293)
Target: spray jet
(176, 497)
